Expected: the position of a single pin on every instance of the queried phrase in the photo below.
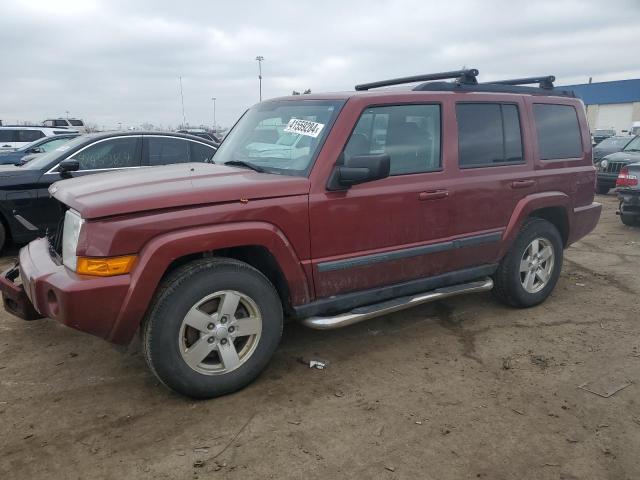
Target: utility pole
(260, 59)
(214, 114)
(67, 111)
(184, 119)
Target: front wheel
(530, 270)
(213, 327)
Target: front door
(387, 231)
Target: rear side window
(558, 131)
(29, 135)
(76, 123)
(488, 134)
(409, 134)
(163, 151)
(60, 123)
(201, 152)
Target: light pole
(214, 113)
(259, 59)
(184, 119)
(67, 111)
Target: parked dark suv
(327, 209)
(610, 166)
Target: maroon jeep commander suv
(326, 209)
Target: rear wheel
(3, 236)
(602, 190)
(629, 220)
(212, 328)
(530, 270)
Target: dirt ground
(463, 388)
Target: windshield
(280, 136)
(43, 161)
(634, 145)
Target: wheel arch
(555, 207)
(258, 244)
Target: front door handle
(523, 183)
(433, 195)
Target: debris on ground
(606, 386)
(391, 469)
(506, 363)
(318, 364)
(540, 360)
(519, 412)
(198, 464)
(293, 422)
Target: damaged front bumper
(48, 289)
(14, 297)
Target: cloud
(119, 61)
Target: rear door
(8, 138)
(494, 169)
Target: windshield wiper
(242, 163)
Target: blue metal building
(611, 104)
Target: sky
(111, 62)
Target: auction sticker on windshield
(304, 127)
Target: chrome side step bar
(383, 308)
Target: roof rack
(466, 81)
(543, 82)
(466, 77)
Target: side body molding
(161, 251)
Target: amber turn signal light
(105, 266)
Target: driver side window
(113, 153)
(409, 134)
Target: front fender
(156, 256)
(526, 206)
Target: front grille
(55, 237)
(614, 167)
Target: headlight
(604, 163)
(72, 226)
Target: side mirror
(359, 169)
(34, 150)
(69, 165)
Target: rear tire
(212, 328)
(629, 220)
(3, 237)
(530, 270)
(602, 190)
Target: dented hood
(170, 186)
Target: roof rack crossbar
(467, 77)
(544, 82)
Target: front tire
(530, 270)
(212, 328)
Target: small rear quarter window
(558, 131)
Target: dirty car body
(392, 203)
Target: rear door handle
(523, 183)
(433, 195)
